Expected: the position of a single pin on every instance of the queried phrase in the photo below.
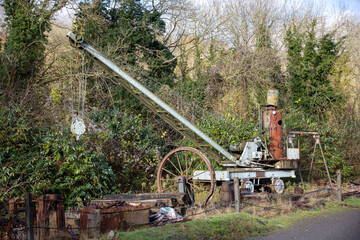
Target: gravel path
(334, 226)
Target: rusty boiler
(273, 124)
(227, 192)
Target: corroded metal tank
(273, 124)
(96, 222)
(227, 192)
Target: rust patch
(96, 220)
(260, 174)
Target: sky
(335, 5)
(332, 7)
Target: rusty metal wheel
(180, 165)
(248, 184)
(278, 186)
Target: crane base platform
(238, 173)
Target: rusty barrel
(227, 192)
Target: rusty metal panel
(150, 199)
(260, 174)
(272, 121)
(288, 164)
(95, 222)
(227, 192)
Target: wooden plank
(60, 209)
(339, 196)
(12, 207)
(152, 199)
(34, 212)
(60, 213)
(144, 196)
(237, 194)
(147, 202)
(43, 219)
(321, 193)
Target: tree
(310, 63)
(132, 34)
(251, 63)
(24, 49)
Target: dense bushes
(42, 160)
(333, 137)
(132, 146)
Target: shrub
(43, 161)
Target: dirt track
(335, 226)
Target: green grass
(230, 226)
(287, 220)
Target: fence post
(43, 218)
(60, 213)
(34, 213)
(60, 209)
(339, 194)
(12, 207)
(237, 195)
(29, 217)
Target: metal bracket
(181, 180)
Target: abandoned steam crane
(189, 170)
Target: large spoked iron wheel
(186, 164)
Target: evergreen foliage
(44, 161)
(132, 147)
(131, 34)
(194, 87)
(310, 63)
(332, 138)
(24, 50)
